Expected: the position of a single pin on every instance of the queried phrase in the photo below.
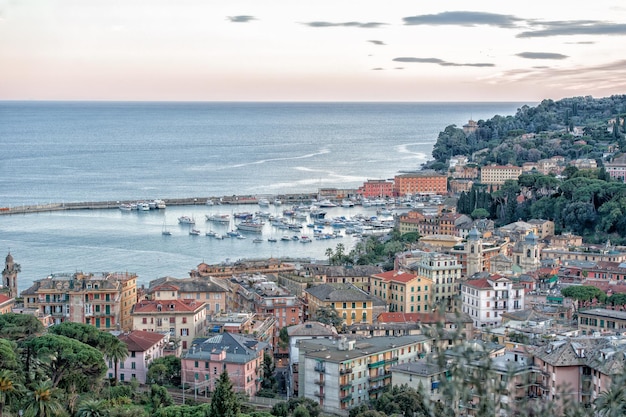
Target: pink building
(376, 189)
(240, 356)
(143, 348)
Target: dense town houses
(214, 292)
(352, 304)
(104, 300)
(403, 291)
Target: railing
(320, 368)
(319, 394)
(376, 390)
(346, 398)
(382, 363)
(376, 378)
(345, 371)
(318, 382)
(345, 386)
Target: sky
(311, 50)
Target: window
(184, 332)
(172, 319)
(144, 320)
(132, 354)
(353, 305)
(184, 320)
(133, 365)
(195, 364)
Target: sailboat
(164, 231)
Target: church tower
(529, 258)
(9, 276)
(474, 252)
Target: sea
(57, 152)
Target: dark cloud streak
(464, 18)
(541, 55)
(441, 62)
(582, 27)
(377, 42)
(366, 25)
(241, 19)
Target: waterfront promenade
(189, 201)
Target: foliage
(328, 315)
(67, 360)
(267, 368)
(280, 409)
(164, 370)
(44, 401)
(283, 338)
(311, 406)
(584, 293)
(9, 359)
(91, 408)
(18, 327)
(224, 402)
(200, 410)
(10, 389)
(159, 397)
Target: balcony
(318, 382)
(319, 394)
(345, 371)
(382, 363)
(344, 387)
(346, 398)
(320, 368)
(381, 377)
(376, 390)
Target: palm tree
(612, 402)
(44, 401)
(8, 387)
(91, 408)
(329, 253)
(116, 351)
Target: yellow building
(351, 303)
(214, 292)
(498, 174)
(403, 291)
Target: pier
(189, 201)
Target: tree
(91, 408)
(116, 351)
(9, 359)
(583, 293)
(164, 370)
(9, 388)
(224, 402)
(159, 397)
(480, 213)
(44, 401)
(328, 315)
(283, 338)
(68, 359)
(18, 327)
(329, 253)
(612, 402)
(268, 368)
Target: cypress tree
(225, 402)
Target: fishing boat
(285, 238)
(272, 239)
(186, 220)
(250, 226)
(263, 202)
(218, 218)
(211, 233)
(125, 207)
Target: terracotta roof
(139, 340)
(479, 283)
(396, 275)
(176, 306)
(4, 298)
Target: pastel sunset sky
(312, 50)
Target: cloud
(377, 42)
(378, 69)
(366, 25)
(464, 18)
(541, 55)
(441, 62)
(241, 18)
(574, 27)
(581, 43)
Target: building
(420, 182)
(617, 168)
(601, 320)
(9, 277)
(444, 271)
(586, 253)
(307, 331)
(403, 291)
(486, 299)
(470, 127)
(351, 303)
(358, 275)
(214, 292)
(422, 373)
(240, 356)
(543, 228)
(526, 254)
(103, 300)
(475, 254)
(143, 348)
(6, 304)
(346, 373)
(376, 189)
(498, 174)
(183, 319)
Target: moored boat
(218, 218)
(186, 220)
(250, 226)
(194, 232)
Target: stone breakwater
(189, 201)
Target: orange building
(6, 304)
(421, 182)
(377, 189)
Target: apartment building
(376, 189)
(183, 319)
(444, 271)
(143, 348)
(103, 300)
(420, 182)
(403, 291)
(346, 373)
(485, 299)
(498, 174)
(214, 292)
(351, 303)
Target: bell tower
(474, 253)
(9, 276)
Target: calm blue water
(71, 151)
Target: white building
(485, 299)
